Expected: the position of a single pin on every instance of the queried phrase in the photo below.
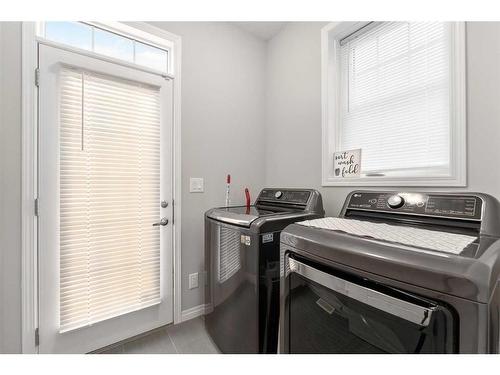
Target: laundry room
(250, 182)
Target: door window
(110, 187)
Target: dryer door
(330, 312)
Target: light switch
(196, 185)
(193, 280)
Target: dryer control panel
(456, 206)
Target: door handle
(163, 221)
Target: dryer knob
(395, 201)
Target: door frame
(29, 183)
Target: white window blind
(395, 98)
(109, 189)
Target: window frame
(331, 34)
(136, 31)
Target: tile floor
(186, 338)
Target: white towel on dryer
(428, 239)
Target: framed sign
(347, 163)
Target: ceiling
(262, 30)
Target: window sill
(396, 181)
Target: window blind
(109, 197)
(395, 97)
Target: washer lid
(240, 215)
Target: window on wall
(395, 91)
(107, 43)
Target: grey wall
(293, 110)
(223, 88)
(10, 187)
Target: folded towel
(428, 239)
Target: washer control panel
(285, 196)
(427, 204)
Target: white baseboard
(195, 311)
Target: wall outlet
(196, 185)
(193, 280)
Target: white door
(105, 177)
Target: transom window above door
(396, 91)
(108, 40)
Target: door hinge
(37, 77)
(37, 208)
(37, 337)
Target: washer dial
(395, 201)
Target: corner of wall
(1, 137)
(10, 186)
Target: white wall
(293, 110)
(222, 127)
(10, 187)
